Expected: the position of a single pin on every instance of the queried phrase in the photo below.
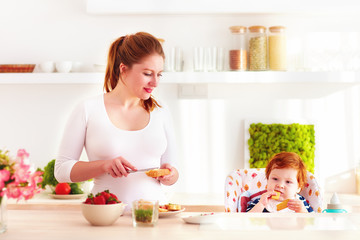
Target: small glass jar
(258, 48)
(145, 213)
(238, 52)
(277, 48)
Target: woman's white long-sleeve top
(89, 126)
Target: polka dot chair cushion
(254, 179)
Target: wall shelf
(51, 78)
(164, 7)
(268, 77)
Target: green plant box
(268, 139)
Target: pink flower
(4, 176)
(16, 178)
(22, 173)
(36, 178)
(28, 192)
(22, 154)
(12, 191)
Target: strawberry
(99, 199)
(112, 199)
(104, 197)
(90, 199)
(114, 196)
(106, 194)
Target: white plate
(170, 213)
(67, 196)
(204, 218)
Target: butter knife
(142, 170)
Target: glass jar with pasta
(258, 59)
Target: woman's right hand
(118, 167)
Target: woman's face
(143, 77)
(284, 181)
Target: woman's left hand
(171, 178)
(297, 206)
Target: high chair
(239, 183)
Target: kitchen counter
(195, 202)
(68, 223)
(45, 218)
(192, 202)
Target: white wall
(209, 131)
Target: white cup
(77, 67)
(47, 66)
(63, 67)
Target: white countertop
(350, 202)
(70, 224)
(46, 218)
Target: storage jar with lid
(238, 49)
(258, 48)
(277, 48)
(357, 176)
(161, 40)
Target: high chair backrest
(254, 179)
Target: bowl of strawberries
(103, 209)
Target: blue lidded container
(334, 206)
(334, 211)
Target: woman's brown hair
(288, 160)
(129, 50)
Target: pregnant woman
(123, 129)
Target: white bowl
(102, 215)
(47, 66)
(63, 67)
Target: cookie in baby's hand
(282, 205)
(277, 196)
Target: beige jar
(238, 52)
(277, 48)
(161, 40)
(357, 176)
(258, 60)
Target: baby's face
(284, 181)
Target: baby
(286, 175)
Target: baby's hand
(264, 199)
(297, 206)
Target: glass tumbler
(145, 213)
